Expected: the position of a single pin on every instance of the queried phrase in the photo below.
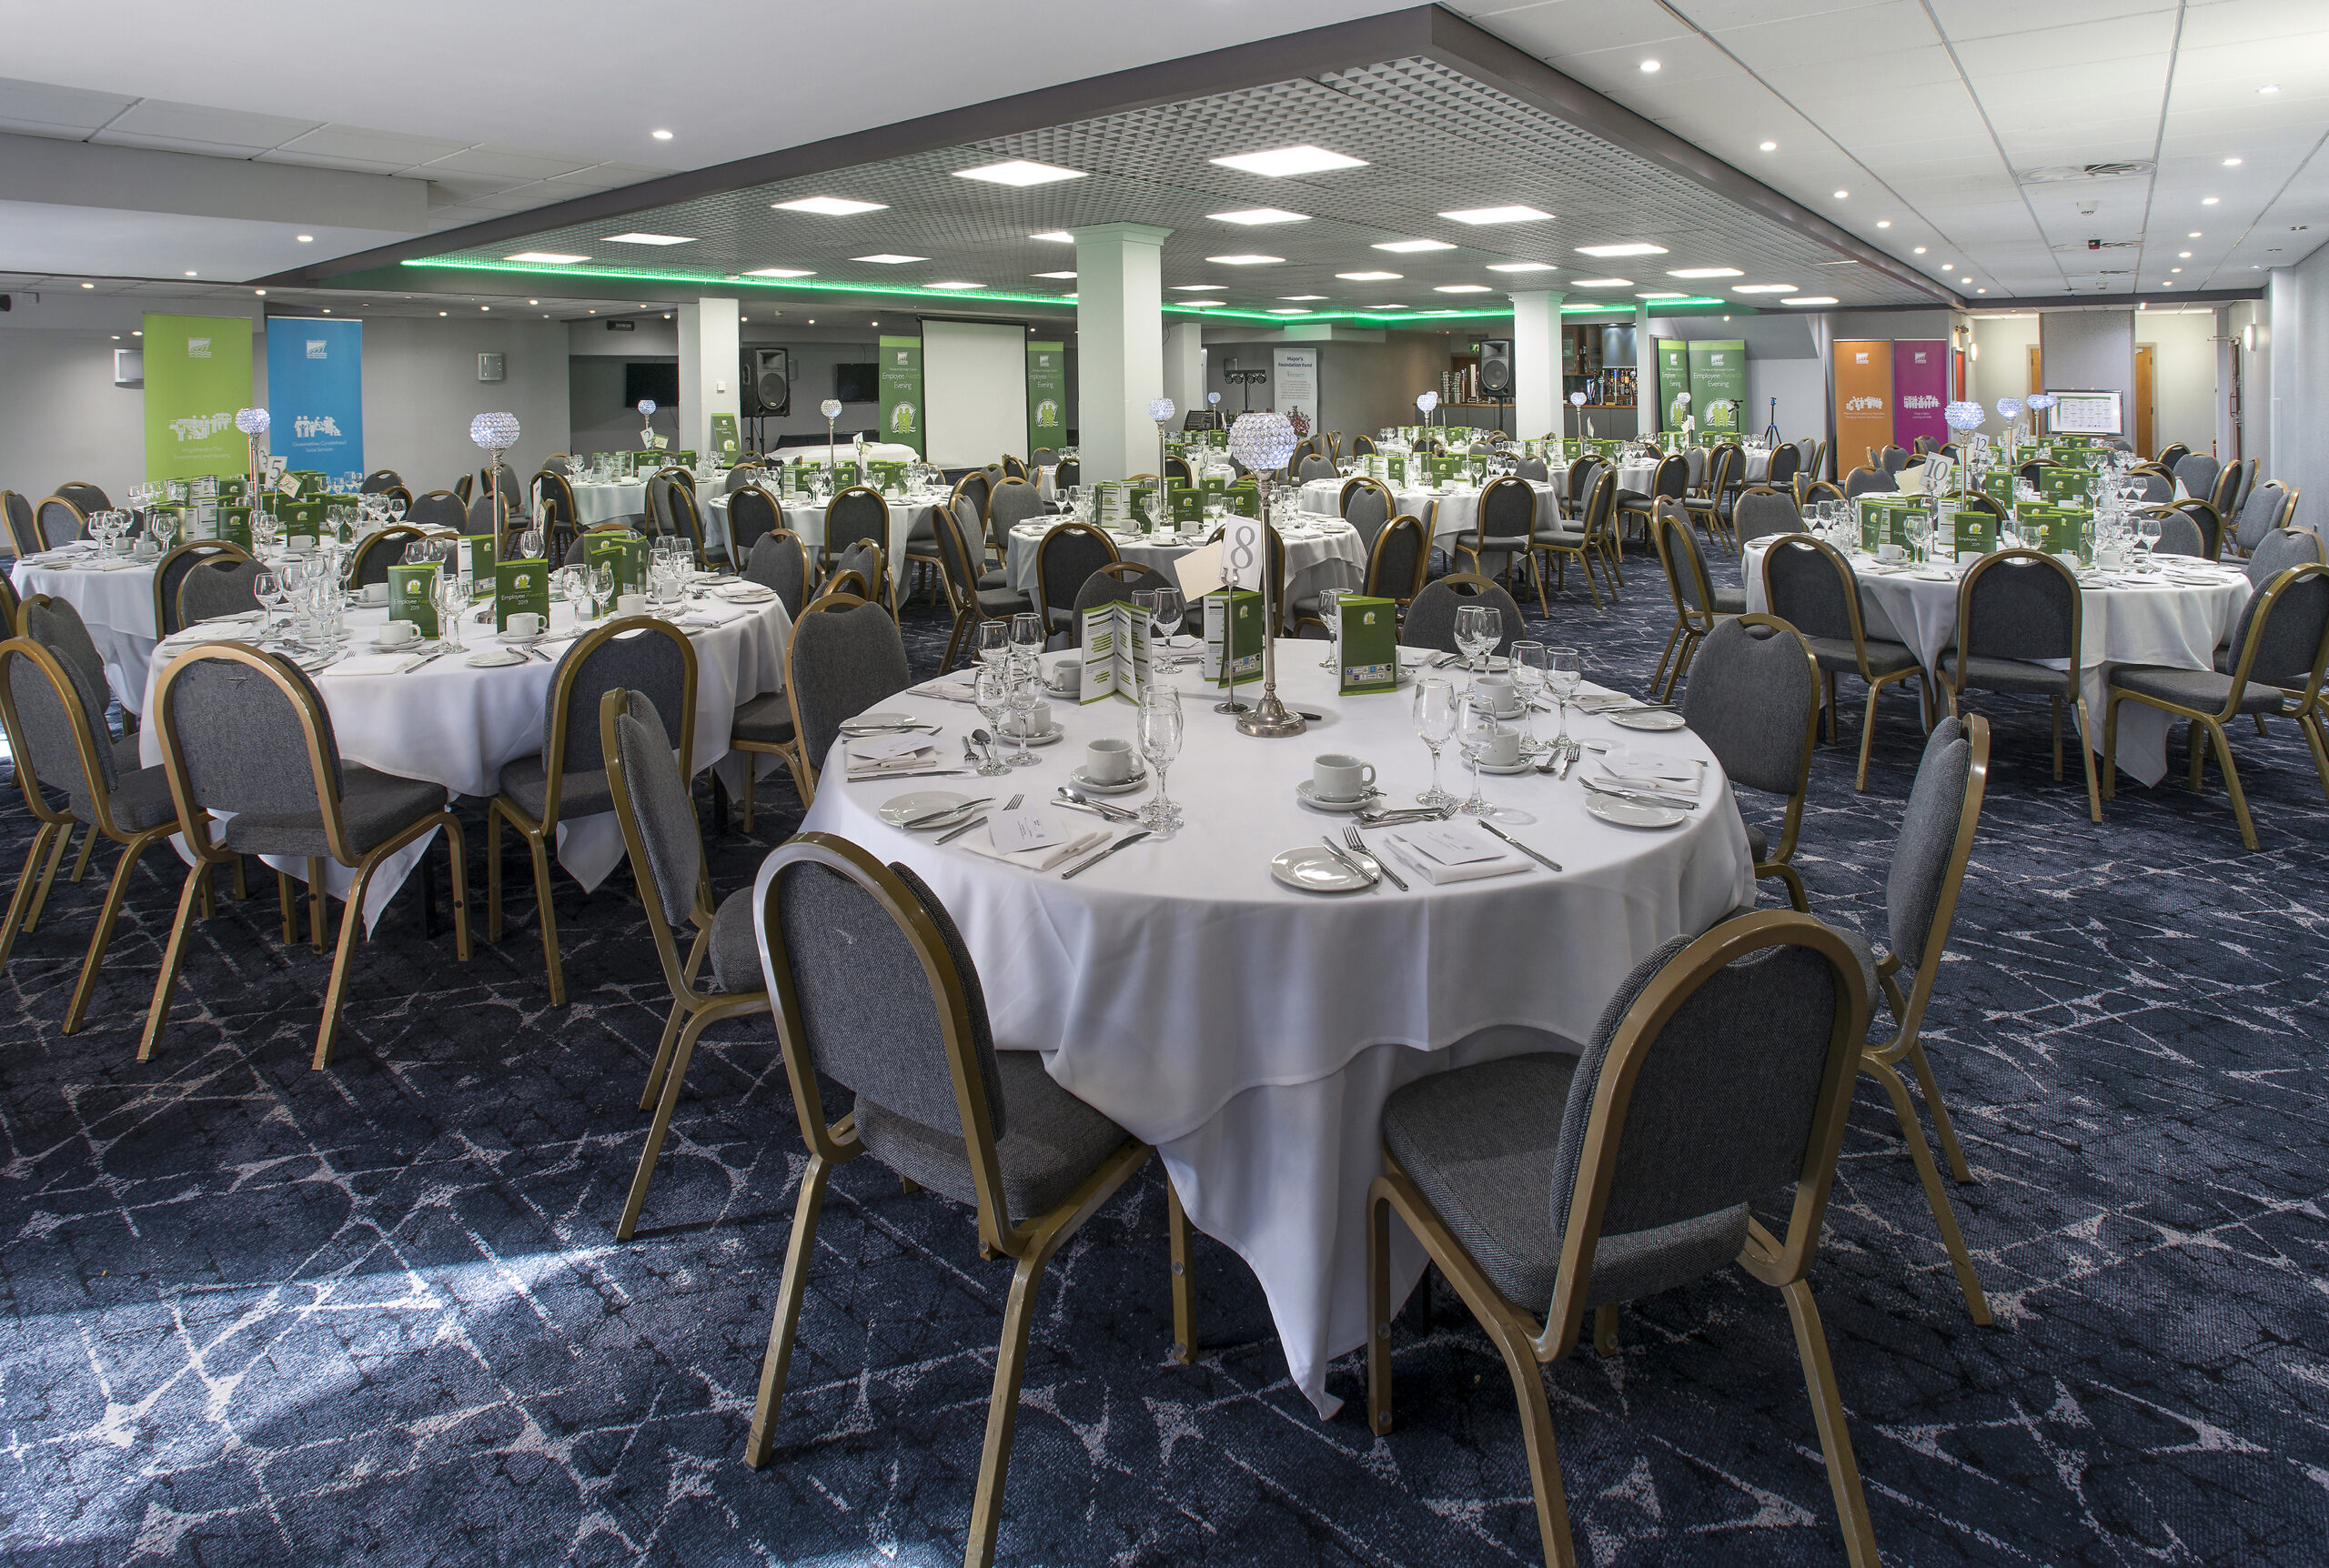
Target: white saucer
(495, 657)
(1314, 868)
(1051, 737)
(1507, 770)
(518, 639)
(1648, 719)
(1626, 814)
(1084, 782)
(1308, 792)
(410, 645)
(877, 720)
(918, 803)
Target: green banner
(198, 374)
(901, 393)
(1673, 381)
(1046, 395)
(1719, 384)
(725, 444)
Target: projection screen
(974, 391)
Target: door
(2037, 375)
(2146, 364)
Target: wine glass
(530, 544)
(990, 688)
(396, 508)
(1475, 723)
(1530, 664)
(1490, 631)
(1435, 716)
(2149, 527)
(1160, 743)
(1563, 673)
(1167, 620)
(1025, 690)
(451, 597)
(994, 641)
(602, 589)
(1467, 635)
(1027, 634)
(269, 589)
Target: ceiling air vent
(2063, 174)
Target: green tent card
(474, 558)
(724, 440)
(412, 596)
(1369, 644)
(235, 526)
(300, 518)
(1188, 507)
(1233, 619)
(1116, 651)
(626, 555)
(521, 588)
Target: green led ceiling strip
(999, 296)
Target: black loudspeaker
(768, 388)
(1496, 366)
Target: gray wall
(2089, 351)
(1362, 385)
(421, 390)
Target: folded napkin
(555, 650)
(1653, 769)
(1042, 860)
(377, 664)
(868, 751)
(114, 564)
(1453, 851)
(949, 690)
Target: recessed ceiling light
(1203, 304)
(1461, 289)
(544, 257)
(1302, 297)
(304, 238)
(2165, 283)
(1810, 299)
(1245, 260)
(1884, 223)
(2174, 269)
(1019, 172)
(885, 258)
(137, 332)
(1705, 272)
(1767, 288)
(1521, 267)
(1054, 236)
(190, 272)
(1981, 291)
(1255, 215)
(93, 285)
(1662, 294)
(2268, 89)
(650, 239)
(2185, 254)
(2207, 201)
(485, 307)
(660, 135)
(1410, 247)
(1055, 275)
(533, 302)
(1479, 214)
(1369, 277)
(1288, 310)
(779, 272)
(1949, 266)
(1631, 247)
(827, 207)
(958, 284)
(1279, 162)
(1843, 196)
(1649, 65)
(1770, 146)
(1196, 287)
(2231, 163)
(1601, 283)
(1390, 307)
(1920, 250)
(262, 292)
(440, 312)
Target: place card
(885, 748)
(1233, 638)
(1450, 844)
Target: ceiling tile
(221, 128)
(65, 108)
(1563, 28)
(368, 146)
(505, 162)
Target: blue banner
(315, 393)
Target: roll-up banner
(315, 392)
(901, 393)
(1046, 395)
(1863, 401)
(1718, 383)
(1673, 381)
(1919, 390)
(198, 374)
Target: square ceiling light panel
(1019, 172)
(1480, 215)
(828, 206)
(1280, 162)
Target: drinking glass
(1468, 634)
(529, 545)
(1160, 743)
(1475, 721)
(2148, 529)
(1167, 620)
(1563, 673)
(602, 591)
(990, 688)
(396, 508)
(1025, 690)
(1529, 668)
(451, 597)
(164, 527)
(994, 641)
(268, 588)
(1027, 634)
(1330, 610)
(1435, 716)
(1490, 632)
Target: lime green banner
(1046, 395)
(198, 374)
(901, 393)
(1719, 384)
(1673, 379)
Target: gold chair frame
(1876, 683)
(1956, 686)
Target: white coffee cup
(630, 604)
(1334, 777)
(376, 593)
(1067, 677)
(1888, 551)
(1501, 748)
(525, 623)
(1038, 720)
(1497, 689)
(395, 633)
(1108, 760)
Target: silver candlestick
(1270, 720)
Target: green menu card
(1188, 507)
(684, 456)
(2064, 484)
(1141, 498)
(235, 526)
(521, 588)
(724, 440)
(1116, 651)
(1214, 484)
(300, 517)
(889, 478)
(845, 474)
(1232, 622)
(1244, 499)
(232, 486)
(1369, 653)
(626, 555)
(474, 559)
(411, 596)
(1973, 530)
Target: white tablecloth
(459, 726)
(2170, 624)
(846, 452)
(1446, 514)
(807, 520)
(1252, 1032)
(117, 605)
(622, 501)
(1328, 555)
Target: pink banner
(1919, 390)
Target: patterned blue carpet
(260, 1314)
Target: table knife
(1641, 797)
(1549, 865)
(952, 834)
(929, 817)
(916, 773)
(1086, 865)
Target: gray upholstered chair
(485, 517)
(874, 990)
(1721, 1075)
(2281, 646)
(379, 481)
(2236, 498)
(60, 522)
(1070, 472)
(1785, 461)
(1071, 551)
(779, 562)
(2179, 535)
(861, 564)
(1315, 467)
(2197, 474)
(752, 515)
(1559, 540)
(1431, 619)
(1755, 702)
(971, 599)
(1534, 470)
(657, 812)
(1929, 860)
(2158, 488)
(2267, 507)
(1892, 459)
(1808, 583)
(1504, 532)
(1869, 482)
(57, 737)
(1699, 604)
(438, 509)
(1366, 505)
(1694, 467)
(683, 519)
(2275, 553)
(2017, 612)
(1116, 581)
(87, 497)
(222, 585)
(858, 512)
(1713, 510)
(57, 624)
(567, 778)
(2225, 494)
(739, 476)
(1579, 480)
(1669, 482)
(1399, 562)
(245, 734)
(1765, 510)
(1042, 457)
(24, 531)
(977, 485)
(1007, 505)
(845, 655)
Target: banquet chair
(1722, 1071)
(1762, 511)
(684, 519)
(739, 475)
(1697, 603)
(567, 779)
(1713, 510)
(171, 569)
(379, 481)
(58, 521)
(1559, 540)
(1868, 482)
(864, 561)
(438, 509)
(1669, 482)
(1115, 581)
(1179, 469)
(664, 844)
(465, 488)
(222, 585)
(2178, 534)
(1580, 469)
(845, 655)
(1694, 463)
(1043, 458)
(12, 608)
(86, 495)
(24, 531)
(1892, 459)
(2247, 482)
(1007, 505)
(1430, 620)
(1504, 525)
(970, 599)
(1534, 470)
(1069, 472)
(2270, 505)
(977, 486)
(2283, 649)
(655, 500)
(2224, 495)
(858, 512)
(2197, 474)
(2173, 454)
(1808, 584)
(1317, 467)
(874, 990)
(512, 493)
(1786, 460)
(55, 723)
(1013, 468)
(1819, 490)
(2276, 553)
(2203, 517)
(490, 517)
(1070, 552)
(1362, 446)
(1756, 675)
(1399, 562)
(2017, 610)
(246, 734)
(2158, 488)
(1366, 505)
(752, 515)
(682, 477)
(556, 490)
(1920, 889)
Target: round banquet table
(807, 519)
(1448, 514)
(1252, 1032)
(2139, 619)
(1326, 554)
(115, 602)
(618, 501)
(456, 725)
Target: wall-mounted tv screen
(858, 383)
(658, 380)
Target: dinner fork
(1369, 857)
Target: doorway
(2146, 367)
(2037, 372)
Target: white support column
(1645, 377)
(1184, 364)
(710, 368)
(1536, 363)
(1120, 347)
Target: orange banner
(1863, 401)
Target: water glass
(1027, 634)
(1025, 688)
(1530, 664)
(1475, 721)
(1563, 673)
(990, 688)
(1435, 719)
(994, 641)
(1160, 743)
(451, 597)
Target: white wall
(2250, 432)
(421, 390)
(2183, 376)
(2001, 369)
(2090, 350)
(2293, 353)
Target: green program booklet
(521, 588)
(1233, 637)
(300, 518)
(475, 560)
(1369, 647)
(626, 555)
(1970, 530)
(411, 596)
(889, 478)
(1244, 499)
(1116, 651)
(724, 440)
(1188, 507)
(235, 526)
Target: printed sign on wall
(198, 374)
(315, 392)
(1863, 382)
(1919, 390)
(901, 392)
(1297, 374)
(1718, 383)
